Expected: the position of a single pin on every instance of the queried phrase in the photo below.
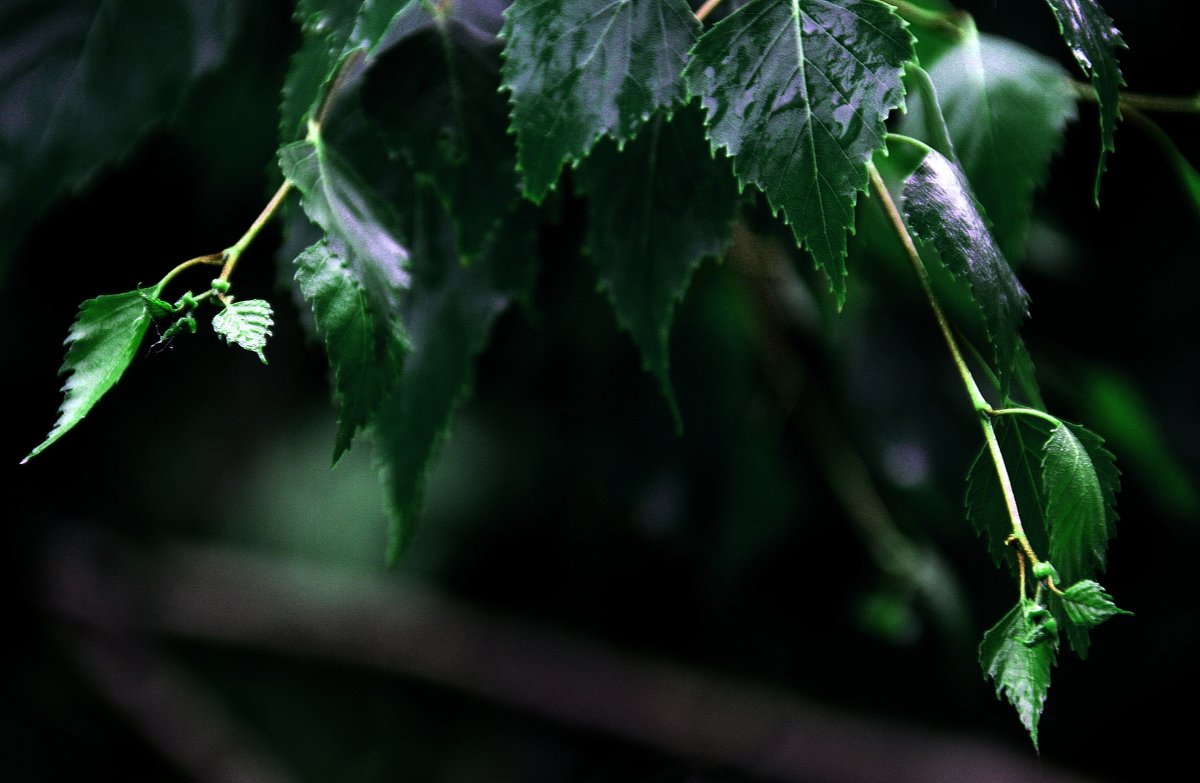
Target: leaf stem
(706, 9)
(1134, 100)
(981, 406)
(234, 253)
(211, 258)
(1034, 412)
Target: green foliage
(799, 118)
(1094, 40)
(100, 346)
(411, 130)
(246, 323)
(1017, 653)
(578, 70)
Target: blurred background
(788, 591)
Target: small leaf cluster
(424, 143)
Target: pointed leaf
(246, 323)
(1087, 604)
(942, 212)
(435, 98)
(797, 92)
(1006, 108)
(449, 313)
(1020, 671)
(364, 354)
(1078, 508)
(656, 210)
(81, 81)
(1093, 40)
(341, 203)
(101, 344)
(581, 69)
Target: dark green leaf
(799, 115)
(364, 353)
(1189, 178)
(337, 200)
(1093, 40)
(435, 98)
(1020, 671)
(656, 210)
(1079, 508)
(942, 212)
(1087, 604)
(102, 343)
(581, 69)
(449, 313)
(333, 31)
(80, 81)
(1006, 108)
(246, 323)
(1021, 440)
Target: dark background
(564, 498)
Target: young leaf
(942, 212)
(449, 312)
(81, 81)
(101, 344)
(580, 69)
(1006, 108)
(655, 211)
(435, 98)
(1093, 40)
(1087, 604)
(337, 200)
(364, 350)
(1020, 671)
(246, 323)
(799, 116)
(1079, 511)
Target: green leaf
(1006, 108)
(800, 117)
(449, 313)
(1079, 508)
(581, 69)
(333, 32)
(656, 210)
(1189, 178)
(350, 212)
(1021, 440)
(365, 350)
(435, 98)
(1087, 604)
(82, 80)
(1020, 671)
(942, 212)
(1093, 40)
(100, 346)
(246, 323)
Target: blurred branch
(380, 622)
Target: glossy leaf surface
(657, 209)
(1094, 40)
(100, 346)
(1078, 508)
(1006, 108)
(942, 212)
(365, 351)
(800, 117)
(1088, 604)
(581, 69)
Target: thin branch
(706, 9)
(234, 253)
(1177, 104)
